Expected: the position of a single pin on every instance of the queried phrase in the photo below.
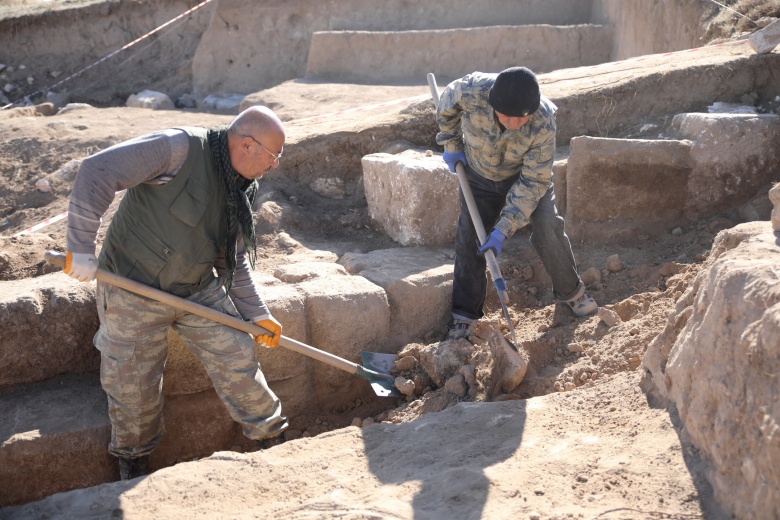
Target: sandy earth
(598, 453)
(578, 438)
(583, 452)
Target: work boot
(269, 442)
(132, 468)
(461, 328)
(275, 437)
(582, 304)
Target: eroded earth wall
(717, 360)
(55, 44)
(653, 26)
(251, 45)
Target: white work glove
(81, 266)
(270, 324)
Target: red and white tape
(43, 224)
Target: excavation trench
(337, 277)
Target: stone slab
(46, 328)
(412, 197)
(617, 188)
(418, 283)
(734, 156)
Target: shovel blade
(381, 363)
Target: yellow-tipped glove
(81, 266)
(270, 324)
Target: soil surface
(582, 381)
(595, 366)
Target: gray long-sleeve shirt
(153, 158)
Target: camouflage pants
(133, 342)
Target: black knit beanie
(515, 92)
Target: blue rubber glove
(452, 158)
(495, 242)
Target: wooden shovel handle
(58, 259)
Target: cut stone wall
(60, 433)
(718, 361)
(653, 26)
(618, 188)
(351, 56)
(57, 442)
(30, 351)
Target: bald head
(256, 120)
(256, 139)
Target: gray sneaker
(460, 329)
(582, 304)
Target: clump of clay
(405, 386)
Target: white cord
(732, 10)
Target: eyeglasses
(277, 157)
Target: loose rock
(406, 363)
(609, 317)
(405, 386)
(456, 385)
(614, 264)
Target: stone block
(418, 283)
(287, 304)
(644, 181)
(150, 99)
(734, 156)
(31, 351)
(346, 315)
(413, 198)
(559, 182)
(774, 196)
(766, 39)
(300, 272)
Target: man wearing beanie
(502, 130)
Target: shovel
(382, 382)
(495, 271)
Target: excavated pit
(316, 237)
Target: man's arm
(151, 158)
(448, 117)
(247, 299)
(527, 191)
(244, 291)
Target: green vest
(168, 236)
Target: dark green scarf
(239, 196)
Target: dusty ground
(600, 362)
(582, 383)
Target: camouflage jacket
(468, 123)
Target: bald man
(186, 214)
